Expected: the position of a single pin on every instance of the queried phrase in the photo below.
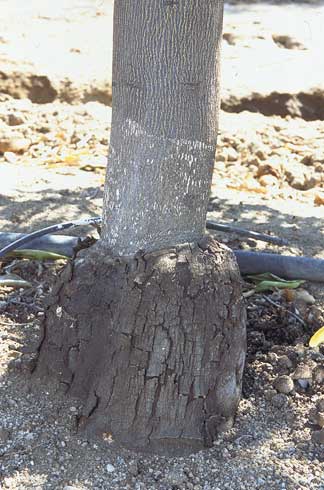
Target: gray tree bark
(147, 327)
(164, 124)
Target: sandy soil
(54, 135)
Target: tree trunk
(164, 123)
(147, 327)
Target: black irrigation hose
(25, 239)
(249, 262)
(58, 244)
(212, 225)
(285, 266)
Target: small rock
(231, 154)
(303, 371)
(287, 42)
(3, 305)
(4, 435)
(308, 159)
(318, 374)
(273, 167)
(304, 296)
(175, 477)
(110, 468)
(284, 384)
(317, 418)
(320, 405)
(14, 120)
(15, 364)
(261, 153)
(230, 38)
(44, 129)
(318, 436)
(279, 400)
(300, 179)
(268, 181)
(133, 468)
(285, 362)
(14, 144)
(319, 198)
(10, 157)
(304, 383)
(269, 394)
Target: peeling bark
(152, 345)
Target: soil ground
(54, 134)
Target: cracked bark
(152, 342)
(158, 344)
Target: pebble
(302, 372)
(284, 384)
(3, 305)
(317, 418)
(110, 468)
(175, 477)
(14, 120)
(318, 374)
(304, 296)
(10, 157)
(269, 394)
(279, 400)
(133, 468)
(320, 405)
(304, 383)
(14, 144)
(285, 362)
(231, 154)
(4, 435)
(318, 436)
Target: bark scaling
(152, 345)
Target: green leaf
(268, 281)
(266, 276)
(266, 285)
(14, 281)
(36, 255)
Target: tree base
(152, 345)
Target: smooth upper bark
(164, 124)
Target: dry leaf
(289, 295)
